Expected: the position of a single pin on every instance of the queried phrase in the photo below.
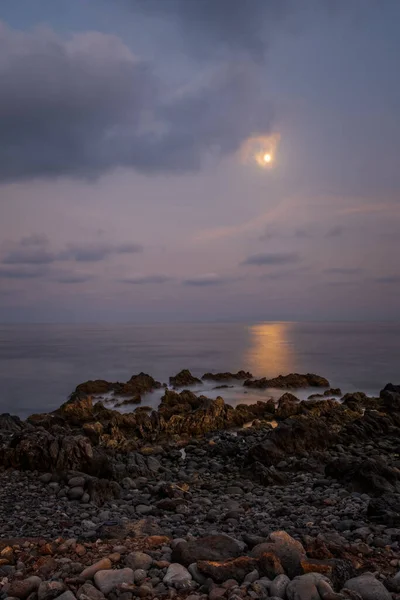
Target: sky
(133, 185)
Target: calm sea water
(41, 364)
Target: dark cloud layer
(277, 258)
(210, 26)
(84, 105)
(36, 250)
(147, 279)
(344, 270)
(206, 280)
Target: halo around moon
(261, 150)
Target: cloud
(70, 278)
(21, 272)
(393, 279)
(210, 26)
(35, 250)
(208, 279)
(344, 270)
(278, 258)
(147, 279)
(86, 105)
(96, 252)
(335, 231)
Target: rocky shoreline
(183, 501)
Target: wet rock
(368, 587)
(108, 580)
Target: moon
(267, 158)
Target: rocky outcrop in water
(184, 379)
(239, 376)
(291, 381)
(136, 386)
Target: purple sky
(127, 189)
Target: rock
(305, 587)
(195, 573)
(220, 571)
(75, 493)
(288, 405)
(213, 547)
(48, 590)
(76, 482)
(177, 575)
(89, 592)
(240, 375)
(368, 587)
(289, 552)
(102, 565)
(385, 509)
(291, 381)
(68, 595)
(138, 560)
(45, 478)
(139, 576)
(364, 475)
(108, 580)
(24, 587)
(184, 378)
(279, 585)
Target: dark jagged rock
(239, 376)
(40, 450)
(288, 405)
(293, 436)
(327, 393)
(136, 385)
(184, 378)
(10, 423)
(392, 388)
(364, 475)
(291, 381)
(385, 509)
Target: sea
(40, 365)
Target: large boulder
(289, 551)
(218, 547)
(291, 381)
(368, 587)
(291, 437)
(288, 406)
(184, 378)
(370, 476)
(40, 450)
(385, 509)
